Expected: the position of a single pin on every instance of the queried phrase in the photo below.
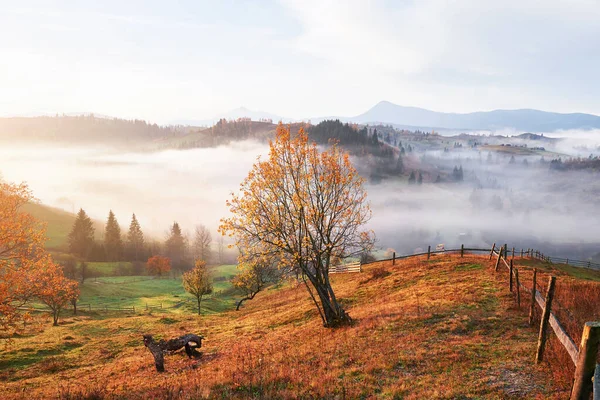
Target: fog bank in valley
(187, 186)
(510, 197)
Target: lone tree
(158, 265)
(81, 238)
(197, 282)
(308, 206)
(254, 276)
(56, 291)
(113, 244)
(135, 239)
(202, 241)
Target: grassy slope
(58, 224)
(139, 291)
(446, 328)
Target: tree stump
(190, 342)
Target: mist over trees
(202, 242)
(175, 248)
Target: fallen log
(190, 342)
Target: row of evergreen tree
(132, 246)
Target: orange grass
(443, 328)
(575, 302)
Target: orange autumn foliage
(158, 265)
(306, 206)
(55, 290)
(22, 255)
(26, 269)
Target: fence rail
(585, 356)
(345, 268)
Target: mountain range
(384, 112)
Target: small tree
(158, 265)
(202, 241)
(254, 275)
(55, 290)
(197, 282)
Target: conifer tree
(175, 246)
(135, 239)
(412, 178)
(81, 238)
(113, 243)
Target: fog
(187, 186)
(525, 205)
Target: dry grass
(576, 301)
(439, 329)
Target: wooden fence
(587, 369)
(344, 268)
(585, 358)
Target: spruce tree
(175, 247)
(113, 244)
(135, 240)
(81, 238)
(412, 178)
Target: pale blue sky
(167, 60)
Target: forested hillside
(83, 129)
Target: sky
(191, 60)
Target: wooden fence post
(462, 250)
(499, 257)
(428, 252)
(597, 383)
(513, 253)
(544, 323)
(518, 286)
(510, 280)
(521, 253)
(505, 250)
(492, 252)
(586, 362)
(394, 258)
(533, 290)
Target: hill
(522, 120)
(58, 224)
(82, 129)
(440, 328)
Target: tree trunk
(250, 297)
(55, 317)
(199, 302)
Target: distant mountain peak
(522, 119)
